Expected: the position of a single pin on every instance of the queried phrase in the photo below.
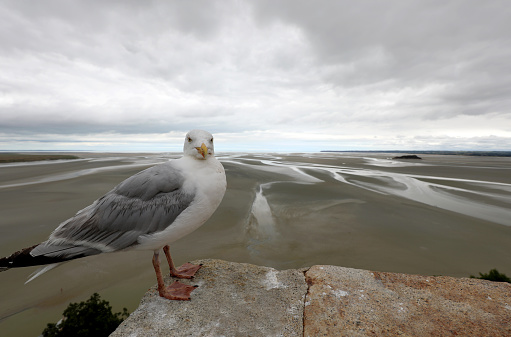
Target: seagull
(147, 211)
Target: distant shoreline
(18, 157)
(69, 154)
(452, 153)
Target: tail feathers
(41, 271)
(22, 258)
(44, 253)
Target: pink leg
(176, 291)
(187, 270)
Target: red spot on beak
(203, 150)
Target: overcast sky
(260, 75)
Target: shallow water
(444, 215)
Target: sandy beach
(443, 215)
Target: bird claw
(177, 291)
(187, 270)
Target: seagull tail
(44, 254)
(15, 260)
(22, 258)
(41, 271)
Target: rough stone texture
(235, 299)
(232, 299)
(351, 302)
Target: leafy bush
(493, 275)
(93, 317)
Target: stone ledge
(353, 302)
(236, 299)
(233, 299)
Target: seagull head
(199, 144)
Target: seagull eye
(189, 140)
(211, 140)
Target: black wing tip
(22, 258)
(15, 258)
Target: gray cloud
(461, 45)
(258, 69)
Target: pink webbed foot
(177, 291)
(187, 270)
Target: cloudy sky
(261, 75)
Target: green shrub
(493, 275)
(93, 317)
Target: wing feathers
(143, 204)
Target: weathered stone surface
(351, 302)
(235, 299)
(232, 299)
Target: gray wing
(145, 203)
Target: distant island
(408, 156)
(452, 153)
(8, 157)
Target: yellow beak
(203, 150)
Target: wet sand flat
(443, 215)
